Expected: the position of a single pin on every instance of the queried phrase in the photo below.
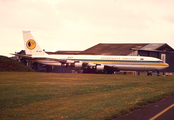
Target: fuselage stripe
(110, 62)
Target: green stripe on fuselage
(120, 62)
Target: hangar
(158, 50)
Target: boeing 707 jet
(89, 62)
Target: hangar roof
(112, 49)
(157, 46)
(124, 49)
(152, 46)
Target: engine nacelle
(69, 61)
(64, 65)
(100, 67)
(78, 65)
(91, 64)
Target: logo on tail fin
(31, 44)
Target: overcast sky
(80, 24)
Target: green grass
(29, 95)
(7, 64)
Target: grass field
(31, 95)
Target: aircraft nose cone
(165, 66)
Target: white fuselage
(132, 63)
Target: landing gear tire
(149, 73)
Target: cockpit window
(161, 61)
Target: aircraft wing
(78, 64)
(74, 64)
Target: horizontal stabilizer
(24, 56)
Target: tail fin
(31, 46)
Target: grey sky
(80, 24)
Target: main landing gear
(149, 73)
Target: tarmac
(160, 110)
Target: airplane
(89, 62)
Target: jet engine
(91, 65)
(68, 63)
(100, 67)
(81, 65)
(97, 67)
(78, 65)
